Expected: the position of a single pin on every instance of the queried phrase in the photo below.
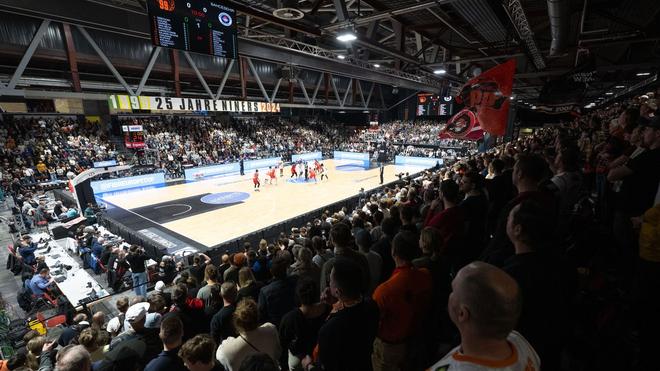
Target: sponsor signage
(425, 162)
(108, 163)
(111, 185)
(168, 104)
(197, 173)
(354, 157)
(311, 156)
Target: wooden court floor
(271, 205)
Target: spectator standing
(197, 354)
(136, 259)
(221, 323)
(251, 339)
(403, 302)
(485, 305)
(279, 296)
(346, 339)
(300, 327)
(171, 333)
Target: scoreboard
(200, 26)
(434, 105)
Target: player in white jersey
(484, 305)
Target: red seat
(55, 321)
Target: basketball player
(306, 172)
(271, 174)
(317, 166)
(293, 170)
(267, 177)
(323, 173)
(281, 166)
(255, 180)
(312, 174)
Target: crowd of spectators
(542, 253)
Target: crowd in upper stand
(44, 149)
(543, 253)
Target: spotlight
(643, 73)
(346, 36)
(619, 86)
(440, 71)
(340, 56)
(376, 65)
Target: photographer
(136, 259)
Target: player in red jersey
(317, 166)
(293, 170)
(271, 175)
(312, 174)
(255, 180)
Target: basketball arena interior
(329, 185)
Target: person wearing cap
(144, 341)
(116, 324)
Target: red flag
(463, 125)
(487, 95)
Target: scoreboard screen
(434, 105)
(200, 26)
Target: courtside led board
(167, 104)
(200, 26)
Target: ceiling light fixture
(440, 71)
(643, 73)
(619, 86)
(376, 65)
(609, 93)
(346, 36)
(340, 56)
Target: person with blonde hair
(249, 286)
(251, 339)
(34, 348)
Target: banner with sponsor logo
(345, 158)
(198, 173)
(425, 162)
(263, 163)
(168, 104)
(311, 156)
(111, 185)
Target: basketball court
(212, 211)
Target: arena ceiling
(547, 38)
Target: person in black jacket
(346, 340)
(279, 296)
(299, 329)
(136, 259)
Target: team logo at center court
(223, 198)
(225, 19)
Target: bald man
(484, 305)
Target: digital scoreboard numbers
(199, 26)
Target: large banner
(311, 156)
(167, 104)
(111, 185)
(464, 125)
(357, 158)
(262, 163)
(425, 162)
(197, 173)
(487, 95)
